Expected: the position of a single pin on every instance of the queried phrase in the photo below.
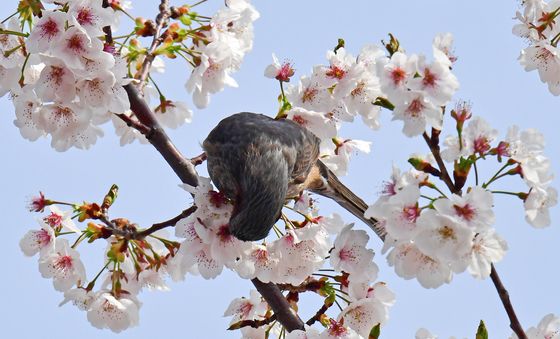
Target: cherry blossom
(410, 263)
(442, 48)
(395, 72)
(80, 297)
(173, 114)
(337, 330)
(61, 219)
(63, 265)
(38, 241)
(444, 238)
(246, 309)
(213, 73)
(48, 31)
(27, 106)
(474, 208)
(537, 205)
(112, 313)
(363, 315)
(56, 82)
(76, 46)
(400, 212)
(91, 16)
(416, 111)
(548, 328)
(316, 122)
(477, 137)
(350, 254)
(436, 82)
(281, 72)
(488, 247)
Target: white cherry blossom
(47, 32)
(63, 265)
(363, 315)
(56, 82)
(488, 247)
(38, 241)
(548, 328)
(416, 111)
(436, 81)
(112, 313)
(246, 308)
(473, 208)
(445, 238)
(350, 254)
(537, 205)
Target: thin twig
(252, 323)
(168, 223)
(161, 21)
(434, 148)
(504, 297)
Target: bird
(259, 163)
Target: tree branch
(433, 144)
(515, 325)
(284, 313)
(504, 297)
(161, 21)
(185, 169)
(168, 223)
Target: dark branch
(252, 323)
(433, 143)
(168, 223)
(515, 325)
(161, 21)
(504, 297)
(158, 138)
(276, 300)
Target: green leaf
(375, 332)
(481, 332)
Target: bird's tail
(332, 188)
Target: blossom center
(397, 75)
(49, 29)
(429, 79)
(411, 213)
(466, 212)
(53, 220)
(85, 17)
(447, 233)
(300, 120)
(415, 107)
(309, 94)
(63, 263)
(336, 72)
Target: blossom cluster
(65, 81)
(524, 151)
(537, 26)
(451, 234)
(62, 80)
(60, 261)
(349, 86)
(221, 49)
(300, 250)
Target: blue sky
(490, 78)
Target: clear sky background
(490, 76)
